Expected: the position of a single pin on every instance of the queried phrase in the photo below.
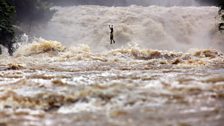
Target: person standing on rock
(111, 34)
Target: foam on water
(52, 52)
(127, 82)
(50, 83)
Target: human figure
(111, 34)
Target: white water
(170, 28)
(135, 2)
(45, 83)
(160, 2)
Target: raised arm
(110, 26)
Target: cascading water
(132, 2)
(55, 83)
(170, 28)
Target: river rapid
(51, 83)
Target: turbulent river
(151, 76)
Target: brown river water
(46, 84)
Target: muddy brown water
(51, 87)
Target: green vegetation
(15, 12)
(221, 14)
(7, 12)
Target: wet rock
(206, 53)
(14, 66)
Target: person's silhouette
(111, 34)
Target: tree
(15, 12)
(221, 14)
(7, 12)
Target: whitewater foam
(170, 28)
(38, 47)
